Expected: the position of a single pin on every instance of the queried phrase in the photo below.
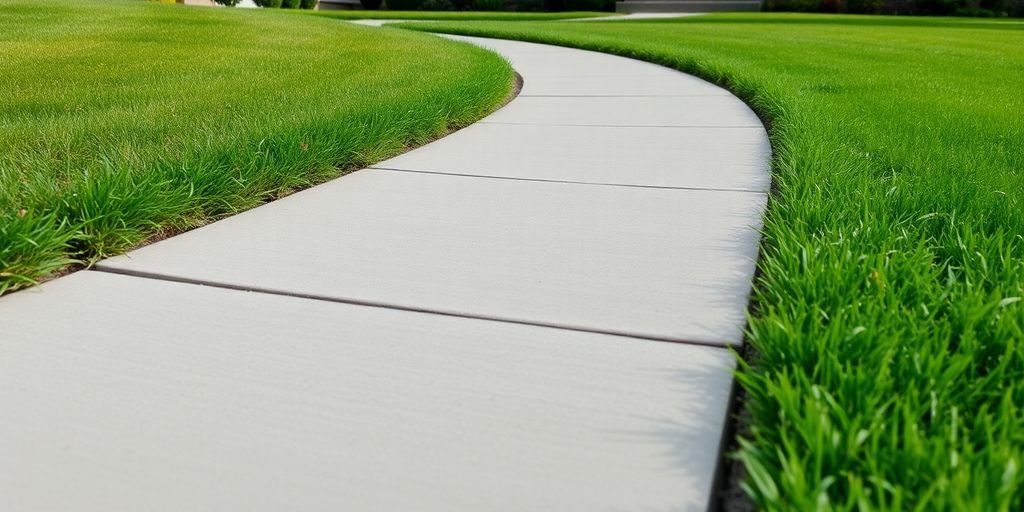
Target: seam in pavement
(733, 127)
(571, 182)
(398, 307)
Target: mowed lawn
(887, 325)
(121, 121)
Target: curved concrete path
(529, 314)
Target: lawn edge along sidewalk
(533, 312)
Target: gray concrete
(380, 23)
(498, 260)
(608, 84)
(557, 71)
(125, 394)
(673, 264)
(712, 158)
(706, 111)
(660, 263)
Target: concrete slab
(713, 158)
(702, 111)
(570, 72)
(381, 23)
(660, 263)
(125, 393)
(506, 47)
(641, 84)
(572, 62)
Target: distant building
(329, 5)
(680, 6)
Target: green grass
(459, 15)
(122, 121)
(887, 320)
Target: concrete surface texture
(530, 314)
(137, 394)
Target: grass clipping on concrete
(887, 318)
(121, 121)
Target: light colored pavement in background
(530, 314)
(640, 16)
(610, 17)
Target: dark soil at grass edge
(728, 494)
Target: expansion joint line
(570, 182)
(399, 307)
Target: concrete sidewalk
(529, 314)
